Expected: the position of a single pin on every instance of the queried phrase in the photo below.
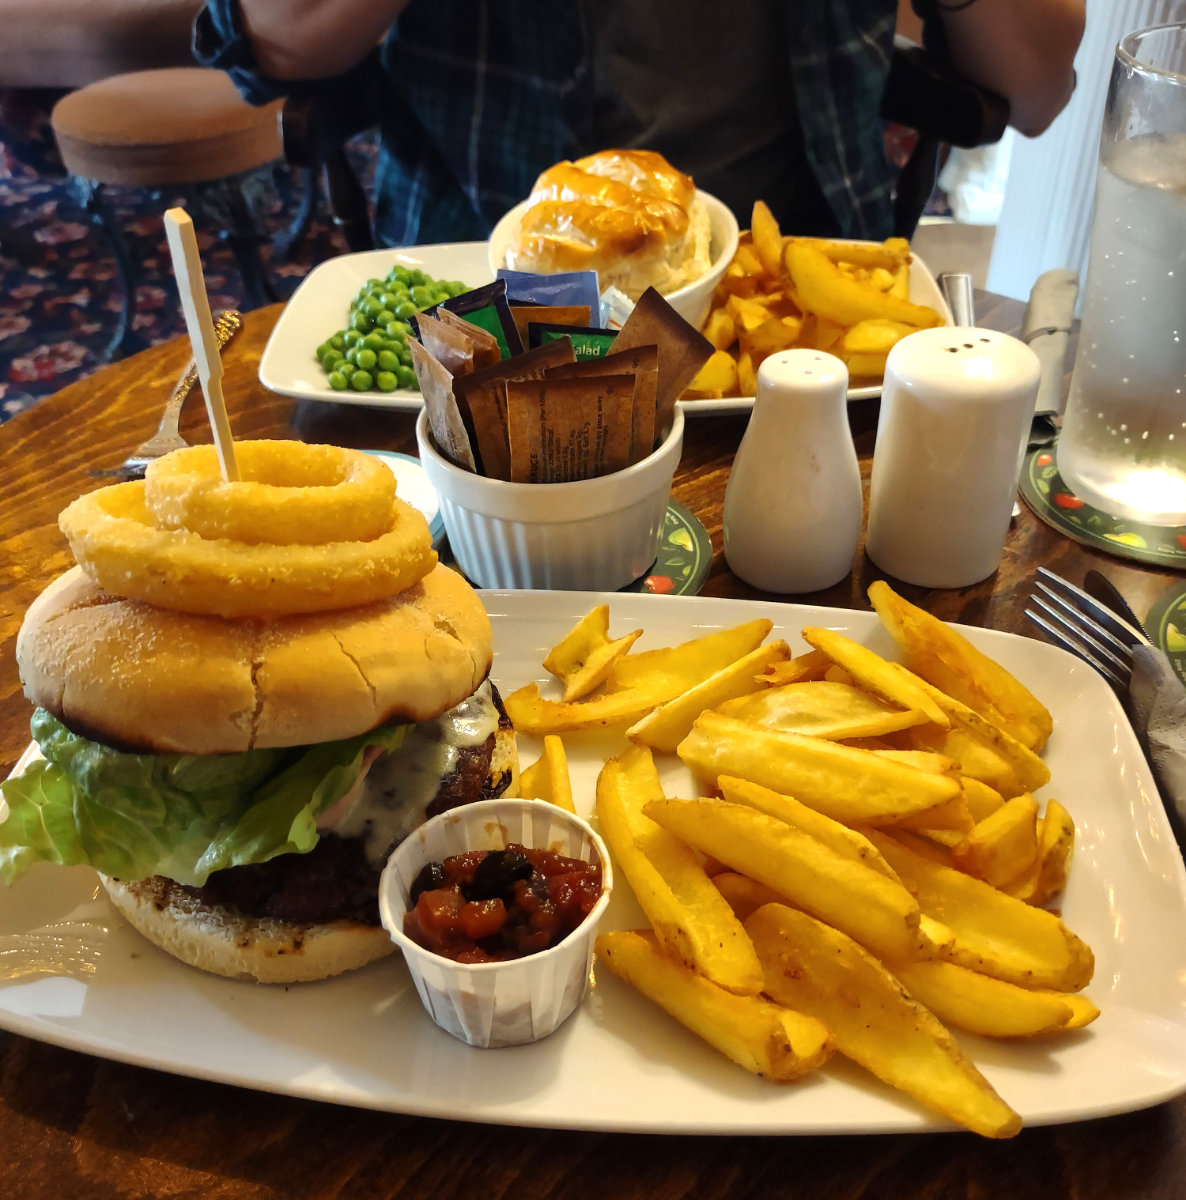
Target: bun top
(147, 679)
(627, 214)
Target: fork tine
(1104, 616)
(1065, 641)
(1120, 652)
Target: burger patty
(336, 881)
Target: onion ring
(290, 494)
(114, 539)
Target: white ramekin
(591, 535)
(502, 1003)
(693, 300)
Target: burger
(239, 784)
(629, 215)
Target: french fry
(583, 657)
(767, 238)
(1028, 771)
(800, 669)
(664, 727)
(687, 913)
(846, 842)
(822, 709)
(763, 1037)
(547, 778)
(857, 787)
(636, 683)
(721, 332)
(995, 933)
(670, 670)
(824, 290)
(1004, 846)
(880, 676)
(877, 335)
(864, 902)
(818, 970)
(991, 1007)
(891, 254)
(943, 657)
(1056, 839)
(718, 376)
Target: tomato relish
(494, 905)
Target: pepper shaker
(793, 508)
(955, 413)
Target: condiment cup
(589, 535)
(693, 300)
(500, 1003)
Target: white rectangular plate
(320, 305)
(75, 976)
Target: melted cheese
(392, 799)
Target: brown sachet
(453, 348)
(444, 419)
(552, 314)
(643, 363)
(487, 351)
(567, 429)
(682, 351)
(482, 401)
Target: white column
(1046, 215)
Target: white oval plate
(321, 304)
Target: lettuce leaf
(180, 815)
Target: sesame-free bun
(142, 678)
(224, 942)
(629, 215)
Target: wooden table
(74, 1127)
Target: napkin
(1045, 328)
(1157, 709)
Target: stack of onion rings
(289, 493)
(273, 568)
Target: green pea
(366, 360)
(361, 381)
(332, 358)
(361, 321)
(338, 341)
(405, 355)
(338, 381)
(388, 360)
(422, 296)
(405, 309)
(407, 377)
(373, 340)
(386, 381)
(350, 337)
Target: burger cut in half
(239, 784)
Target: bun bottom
(238, 947)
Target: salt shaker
(955, 413)
(792, 514)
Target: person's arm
(1022, 49)
(314, 39)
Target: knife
(1045, 328)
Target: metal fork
(1088, 629)
(167, 436)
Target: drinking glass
(1123, 441)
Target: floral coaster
(1043, 489)
(1166, 625)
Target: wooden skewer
(187, 268)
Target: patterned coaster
(683, 561)
(1166, 624)
(1043, 489)
(685, 556)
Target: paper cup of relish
(495, 906)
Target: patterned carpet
(60, 294)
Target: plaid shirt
(484, 96)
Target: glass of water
(1123, 441)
